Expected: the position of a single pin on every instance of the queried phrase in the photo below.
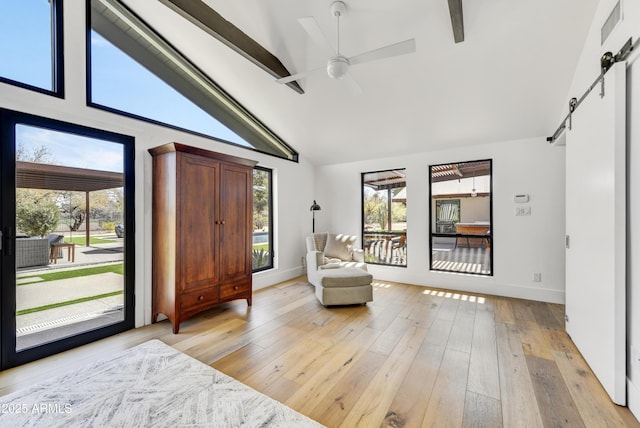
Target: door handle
(8, 245)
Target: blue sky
(25, 41)
(73, 150)
(117, 81)
(120, 82)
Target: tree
(36, 211)
(73, 207)
(260, 199)
(40, 154)
(37, 219)
(375, 208)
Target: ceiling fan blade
(351, 84)
(299, 76)
(400, 48)
(312, 28)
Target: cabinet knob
(222, 222)
(201, 298)
(235, 287)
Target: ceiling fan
(338, 65)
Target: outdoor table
(71, 251)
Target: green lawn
(81, 240)
(54, 276)
(261, 246)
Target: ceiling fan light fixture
(337, 67)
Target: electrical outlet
(537, 277)
(523, 211)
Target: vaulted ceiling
(509, 79)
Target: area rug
(150, 385)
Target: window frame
(432, 234)
(239, 111)
(57, 53)
(272, 252)
(362, 219)
(8, 357)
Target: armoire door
(235, 213)
(197, 218)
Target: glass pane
(384, 202)
(119, 82)
(461, 238)
(26, 44)
(134, 71)
(70, 238)
(262, 238)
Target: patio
(462, 260)
(79, 303)
(84, 256)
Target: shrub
(260, 258)
(38, 219)
(108, 225)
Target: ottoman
(344, 286)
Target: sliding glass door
(67, 208)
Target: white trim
(267, 278)
(633, 398)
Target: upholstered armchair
(332, 251)
(336, 268)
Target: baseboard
(270, 277)
(473, 284)
(633, 399)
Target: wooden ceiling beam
(455, 10)
(201, 15)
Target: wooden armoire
(202, 230)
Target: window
(461, 217)
(262, 253)
(384, 217)
(31, 45)
(133, 71)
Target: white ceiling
(508, 80)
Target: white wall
(586, 72)
(290, 179)
(522, 245)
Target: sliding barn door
(595, 225)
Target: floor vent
(610, 23)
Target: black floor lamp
(315, 207)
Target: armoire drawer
(196, 299)
(230, 290)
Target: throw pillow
(339, 246)
(320, 240)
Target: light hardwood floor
(413, 357)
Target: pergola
(31, 175)
(456, 171)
